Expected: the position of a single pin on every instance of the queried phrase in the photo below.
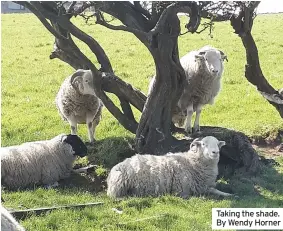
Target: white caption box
(247, 218)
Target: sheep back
(40, 162)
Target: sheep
(77, 102)
(183, 174)
(203, 69)
(8, 222)
(40, 162)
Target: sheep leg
(196, 123)
(73, 125)
(188, 125)
(90, 129)
(219, 193)
(90, 132)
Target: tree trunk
(154, 131)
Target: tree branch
(125, 12)
(127, 109)
(94, 46)
(140, 34)
(242, 24)
(113, 84)
(139, 8)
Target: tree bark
(154, 131)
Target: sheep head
(77, 144)
(82, 81)
(212, 59)
(209, 147)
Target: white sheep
(203, 69)
(40, 162)
(77, 102)
(8, 222)
(183, 174)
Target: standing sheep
(182, 174)
(8, 222)
(40, 162)
(77, 102)
(203, 69)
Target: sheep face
(82, 81)
(209, 147)
(212, 61)
(77, 144)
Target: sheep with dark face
(40, 162)
(203, 69)
(183, 174)
(78, 104)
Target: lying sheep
(77, 103)
(40, 162)
(182, 174)
(203, 69)
(8, 222)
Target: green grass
(30, 81)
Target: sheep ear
(76, 82)
(63, 137)
(223, 56)
(195, 143)
(200, 55)
(74, 78)
(221, 143)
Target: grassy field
(30, 81)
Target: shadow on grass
(107, 152)
(110, 151)
(263, 190)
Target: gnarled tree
(157, 26)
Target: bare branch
(242, 24)
(72, 10)
(100, 20)
(126, 13)
(93, 45)
(127, 109)
(113, 84)
(139, 8)
(71, 7)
